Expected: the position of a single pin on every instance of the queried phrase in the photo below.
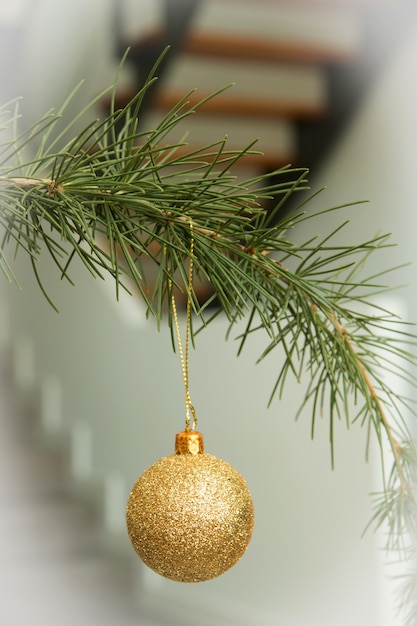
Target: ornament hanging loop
(190, 413)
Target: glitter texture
(190, 517)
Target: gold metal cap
(189, 442)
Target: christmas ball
(190, 515)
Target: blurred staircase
(54, 568)
(300, 69)
(297, 71)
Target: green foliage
(117, 196)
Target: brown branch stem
(24, 183)
(394, 444)
(31, 183)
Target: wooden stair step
(276, 136)
(228, 103)
(238, 106)
(225, 45)
(309, 32)
(258, 88)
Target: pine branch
(118, 198)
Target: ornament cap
(189, 442)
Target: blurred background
(93, 395)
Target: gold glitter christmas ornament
(190, 515)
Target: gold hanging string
(189, 408)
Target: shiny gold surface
(190, 517)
